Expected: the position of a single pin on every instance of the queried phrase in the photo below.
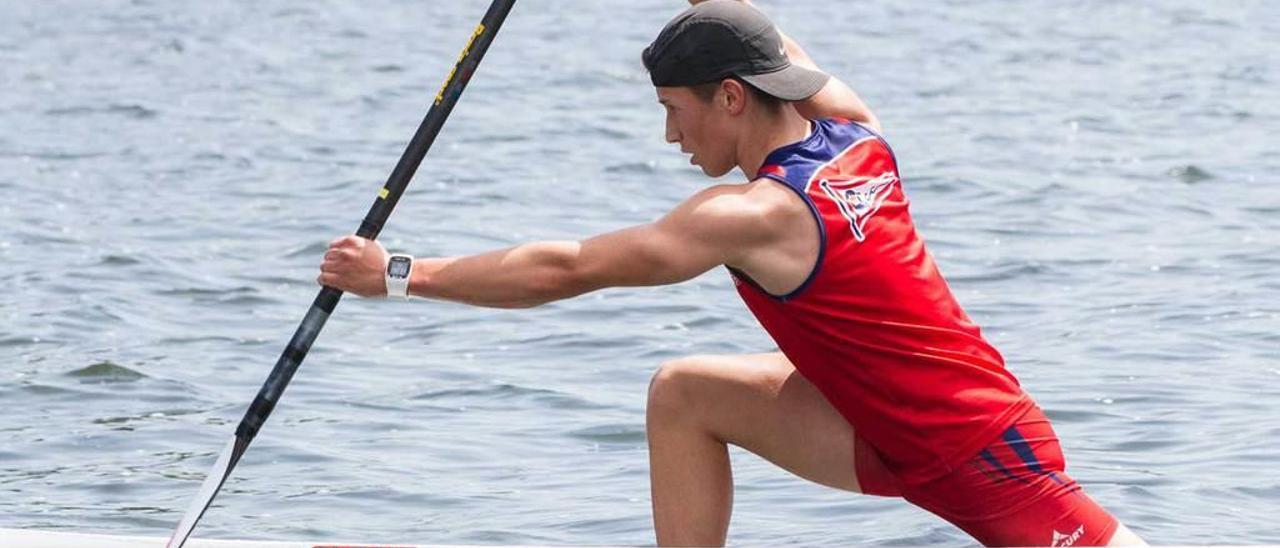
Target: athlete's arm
(836, 99)
(716, 226)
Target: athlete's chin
(715, 172)
(710, 171)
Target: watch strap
(397, 274)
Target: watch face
(399, 267)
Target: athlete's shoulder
(725, 203)
(748, 211)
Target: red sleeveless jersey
(875, 327)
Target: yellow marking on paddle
(453, 71)
(384, 193)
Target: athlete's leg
(1016, 492)
(758, 402)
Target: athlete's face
(701, 128)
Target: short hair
(707, 91)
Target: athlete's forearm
(519, 277)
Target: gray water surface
(1098, 181)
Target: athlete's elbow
(560, 276)
(549, 285)
(534, 290)
(516, 305)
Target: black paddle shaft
(373, 221)
(328, 297)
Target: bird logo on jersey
(859, 198)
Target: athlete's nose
(672, 135)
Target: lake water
(1098, 181)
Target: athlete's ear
(732, 96)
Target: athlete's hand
(355, 265)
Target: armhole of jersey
(817, 263)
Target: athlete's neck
(770, 132)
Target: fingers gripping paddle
(328, 298)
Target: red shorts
(1012, 493)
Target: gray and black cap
(717, 39)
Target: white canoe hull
(34, 538)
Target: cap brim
(792, 83)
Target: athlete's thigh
(761, 403)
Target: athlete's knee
(671, 391)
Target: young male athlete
(882, 384)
